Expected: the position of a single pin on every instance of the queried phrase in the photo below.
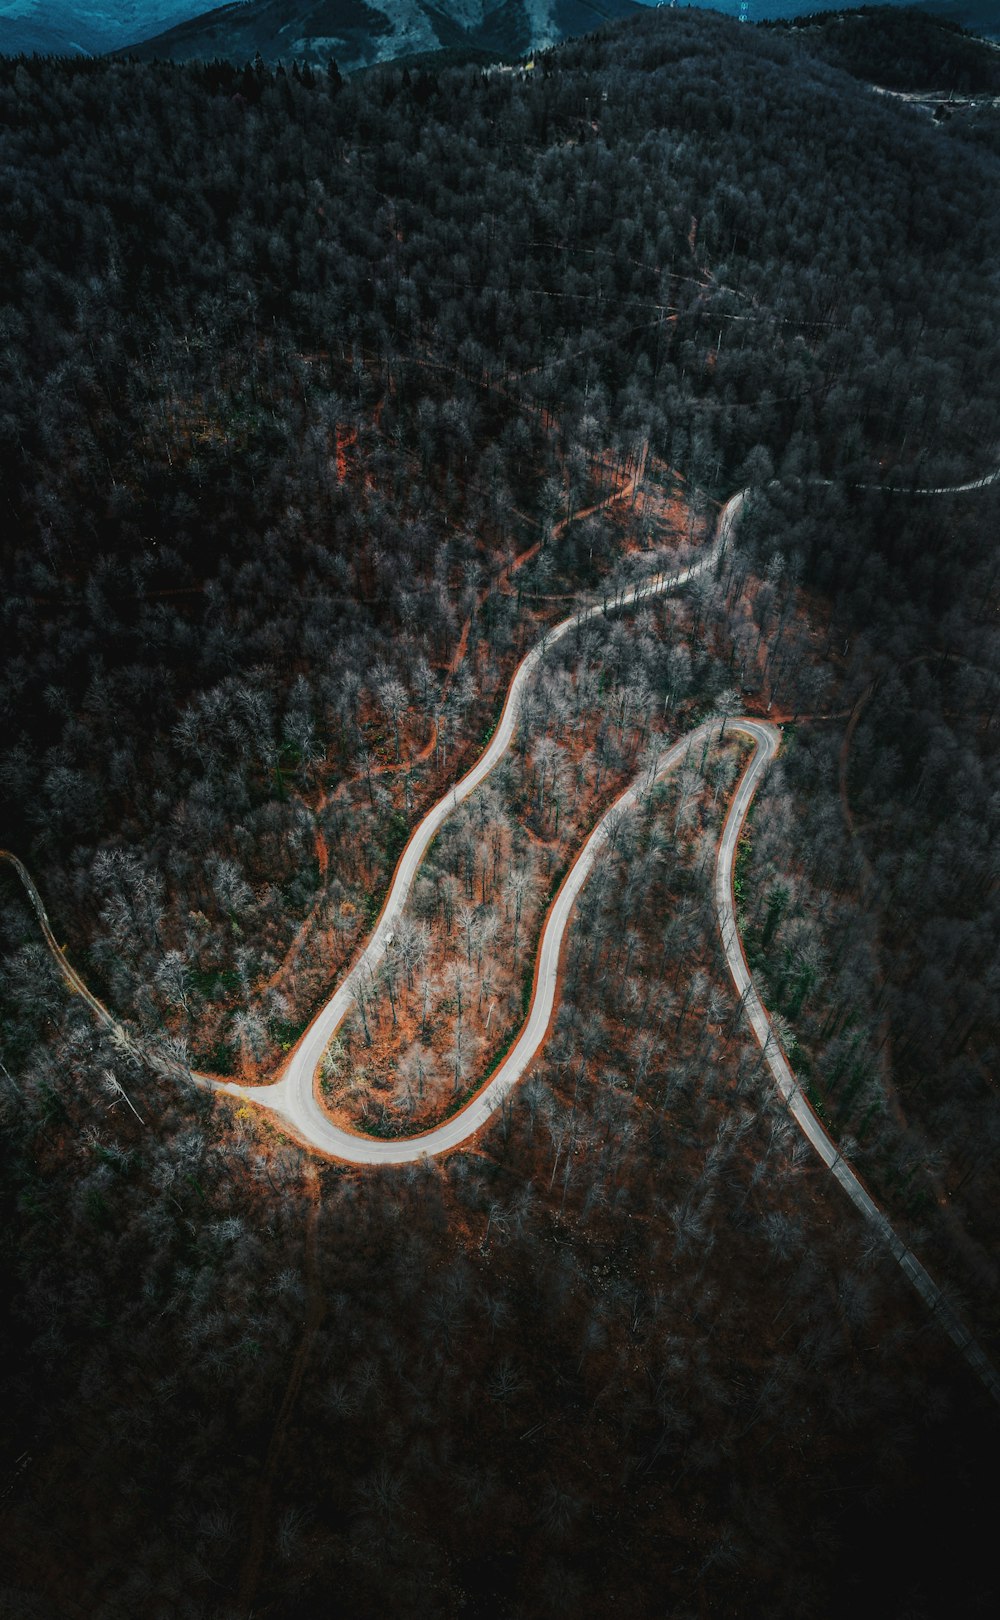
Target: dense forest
(904, 51)
(320, 398)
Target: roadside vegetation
(320, 399)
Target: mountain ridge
(184, 29)
(84, 27)
(361, 33)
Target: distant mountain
(359, 33)
(907, 50)
(84, 27)
(977, 16)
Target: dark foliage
(361, 33)
(291, 364)
(903, 49)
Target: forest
(321, 398)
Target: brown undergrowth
(432, 1030)
(402, 788)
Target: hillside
(933, 64)
(358, 34)
(904, 50)
(977, 16)
(84, 27)
(323, 400)
(361, 33)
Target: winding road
(292, 1098)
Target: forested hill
(902, 50)
(84, 27)
(302, 380)
(361, 32)
(683, 229)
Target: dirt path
(119, 1034)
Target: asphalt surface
(767, 739)
(293, 1096)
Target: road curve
(293, 1095)
(292, 1098)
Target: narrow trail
(293, 1099)
(968, 488)
(261, 1516)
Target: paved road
(767, 739)
(293, 1096)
